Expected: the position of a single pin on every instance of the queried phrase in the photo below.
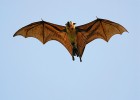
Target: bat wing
(44, 32)
(99, 28)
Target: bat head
(70, 25)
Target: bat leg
(73, 58)
(75, 52)
(80, 59)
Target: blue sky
(30, 70)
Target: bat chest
(72, 36)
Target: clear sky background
(30, 70)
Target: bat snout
(70, 25)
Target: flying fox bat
(73, 38)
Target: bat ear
(67, 23)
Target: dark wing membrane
(45, 31)
(101, 28)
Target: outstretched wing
(45, 31)
(99, 28)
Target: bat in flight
(73, 38)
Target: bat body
(73, 38)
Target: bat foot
(73, 58)
(80, 59)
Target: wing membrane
(99, 28)
(45, 32)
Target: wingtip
(14, 35)
(126, 31)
